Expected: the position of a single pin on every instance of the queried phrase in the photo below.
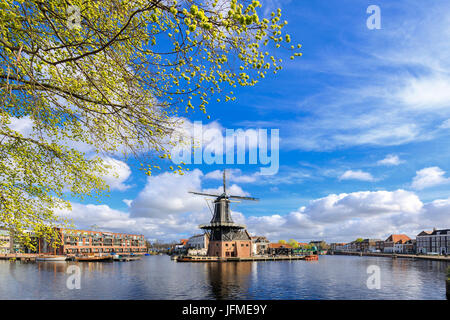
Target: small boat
(51, 258)
(118, 257)
(312, 257)
(93, 258)
(174, 258)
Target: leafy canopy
(95, 78)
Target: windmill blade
(244, 198)
(224, 182)
(204, 194)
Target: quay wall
(392, 255)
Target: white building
(198, 245)
(260, 245)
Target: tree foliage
(293, 243)
(113, 77)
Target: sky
(364, 125)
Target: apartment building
(436, 241)
(82, 242)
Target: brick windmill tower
(226, 238)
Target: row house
(260, 245)
(337, 246)
(393, 240)
(436, 241)
(369, 245)
(408, 246)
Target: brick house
(394, 242)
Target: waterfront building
(199, 241)
(337, 246)
(198, 244)
(354, 246)
(5, 242)
(260, 245)
(408, 246)
(380, 245)
(280, 249)
(83, 242)
(393, 244)
(369, 245)
(436, 241)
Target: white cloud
(432, 92)
(336, 217)
(22, 125)
(118, 173)
(392, 89)
(233, 175)
(127, 202)
(168, 194)
(356, 175)
(390, 160)
(429, 177)
(345, 217)
(445, 124)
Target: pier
(243, 259)
(25, 257)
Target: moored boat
(118, 257)
(51, 258)
(93, 258)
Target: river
(158, 277)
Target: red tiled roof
(398, 238)
(279, 245)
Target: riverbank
(392, 255)
(247, 259)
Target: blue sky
(364, 122)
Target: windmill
(222, 227)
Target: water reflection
(157, 277)
(228, 279)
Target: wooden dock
(25, 257)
